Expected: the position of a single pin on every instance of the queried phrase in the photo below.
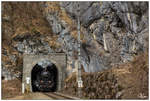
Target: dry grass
(131, 80)
(24, 18)
(133, 76)
(100, 85)
(11, 88)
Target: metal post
(79, 59)
(23, 88)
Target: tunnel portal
(44, 73)
(44, 79)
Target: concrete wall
(30, 60)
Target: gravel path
(31, 96)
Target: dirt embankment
(127, 81)
(133, 77)
(11, 88)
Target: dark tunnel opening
(3, 77)
(44, 79)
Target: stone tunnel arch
(31, 60)
(44, 77)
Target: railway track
(59, 96)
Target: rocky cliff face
(111, 32)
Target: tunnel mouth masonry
(44, 78)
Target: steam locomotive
(45, 80)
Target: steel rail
(58, 96)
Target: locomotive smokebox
(44, 79)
